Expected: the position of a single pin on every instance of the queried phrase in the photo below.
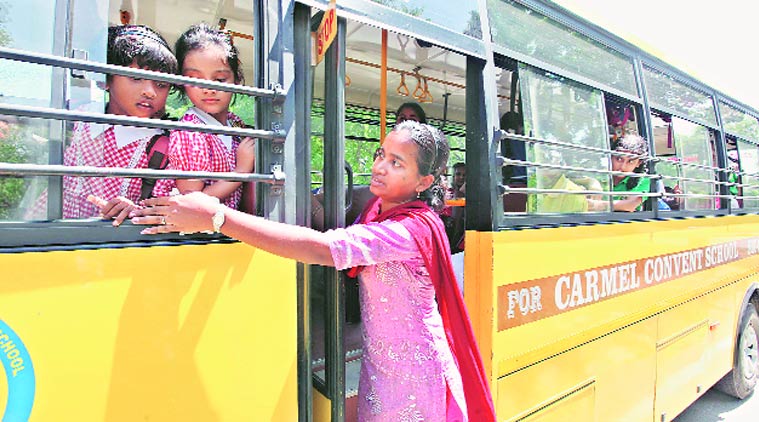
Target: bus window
(687, 155)
(24, 140)
(561, 111)
(93, 92)
(666, 166)
(630, 154)
(694, 144)
(748, 153)
(512, 121)
(734, 177)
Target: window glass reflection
(561, 111)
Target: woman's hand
(189, 213)
(117, 208)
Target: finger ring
(163, 220)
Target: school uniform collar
(210, 120)
(124, 135)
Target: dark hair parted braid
(139, 44)
(199, 37)
(431, 159)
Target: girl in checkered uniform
(103, 145)
(207, 53)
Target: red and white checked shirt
(195, 151)
(97, 145)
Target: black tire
(741, 380)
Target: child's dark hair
(417, 109)
(633, 144)
(139, 44)
(201, 36)
(432, 158)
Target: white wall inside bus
(559, 110)
(694, 146)
(667, 167)
(748, 153)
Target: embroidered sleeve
(369, 244)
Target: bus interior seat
(515, 202)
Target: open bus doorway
(416, 71)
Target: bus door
(348, 110)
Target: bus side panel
(180, 333)
(615, 363)
(550, 296)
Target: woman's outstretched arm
(193, 213)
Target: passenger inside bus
(410, 111)
(734, 178)
(103, 145)
(458, 187)
(629, 144)
(454, 216)
(514, 175)
(207, 53)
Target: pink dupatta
(432, 241)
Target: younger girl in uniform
(207, 53)
(420, 358)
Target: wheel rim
(750, 352)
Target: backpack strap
(157, 151)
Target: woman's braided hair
(432, 158)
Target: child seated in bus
(630, 144)
(207, 53)
(104, 145)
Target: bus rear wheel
(742, 379)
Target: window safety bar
(508, 189)
(521, 163)
(276, 93)
(533, 140)
(90, 117)
(669, 160)
(679, 162)
(502, 161)
(24, 170)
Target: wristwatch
(218, 219)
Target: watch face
(218, 220)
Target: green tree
(5, 36)
(12, 150)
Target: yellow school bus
(580, 311)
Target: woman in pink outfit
(420, 361)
